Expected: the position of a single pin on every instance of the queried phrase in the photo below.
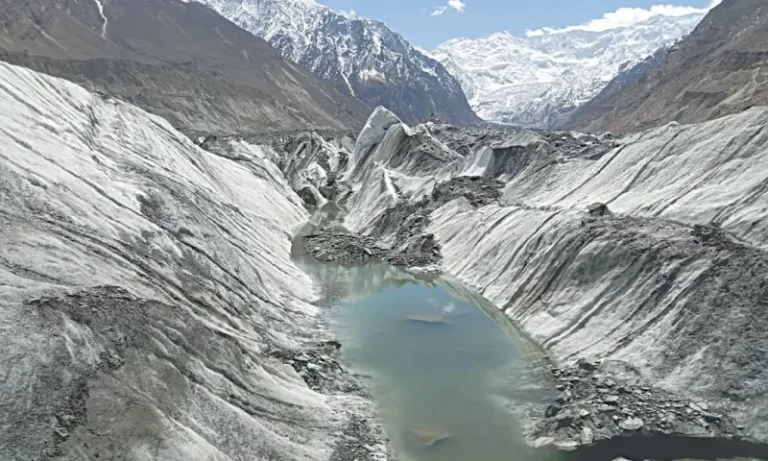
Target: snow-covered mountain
(361, 57)
(540, 79)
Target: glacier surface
(149, 290)
(147, 287)
(671, 280)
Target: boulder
(598, 209)
(429, 436)
(631, 424)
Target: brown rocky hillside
(182, 61)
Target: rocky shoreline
(595, 403)
(362, 439)
(351, 249)
(407, 222)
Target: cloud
(439, 11)
(348, 14)
(456, 5)
(624, 17)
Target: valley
(221, 241)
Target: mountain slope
(361, 57)
(719, 69)
(623, 80)
(539, 80)
(182, 61)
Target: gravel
(594, 404)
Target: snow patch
(372, 74)
(100, 7)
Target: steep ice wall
(146, 283)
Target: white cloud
(456, 5)
(624, 17)
(439, 11)
(348, 14)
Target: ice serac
(374, 130)
(361, 57)
(539, 80)
(147, 286)
(649, 250)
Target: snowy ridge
(539, 80)
(361, 57)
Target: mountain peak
(361, 57)
(714, 71)
(559, 68)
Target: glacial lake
(450, 377)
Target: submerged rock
(429, 436)
(427, 318)
(542, 442)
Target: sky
(427, 23)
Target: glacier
(670, 281)
(152, 297)
(148, 289)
